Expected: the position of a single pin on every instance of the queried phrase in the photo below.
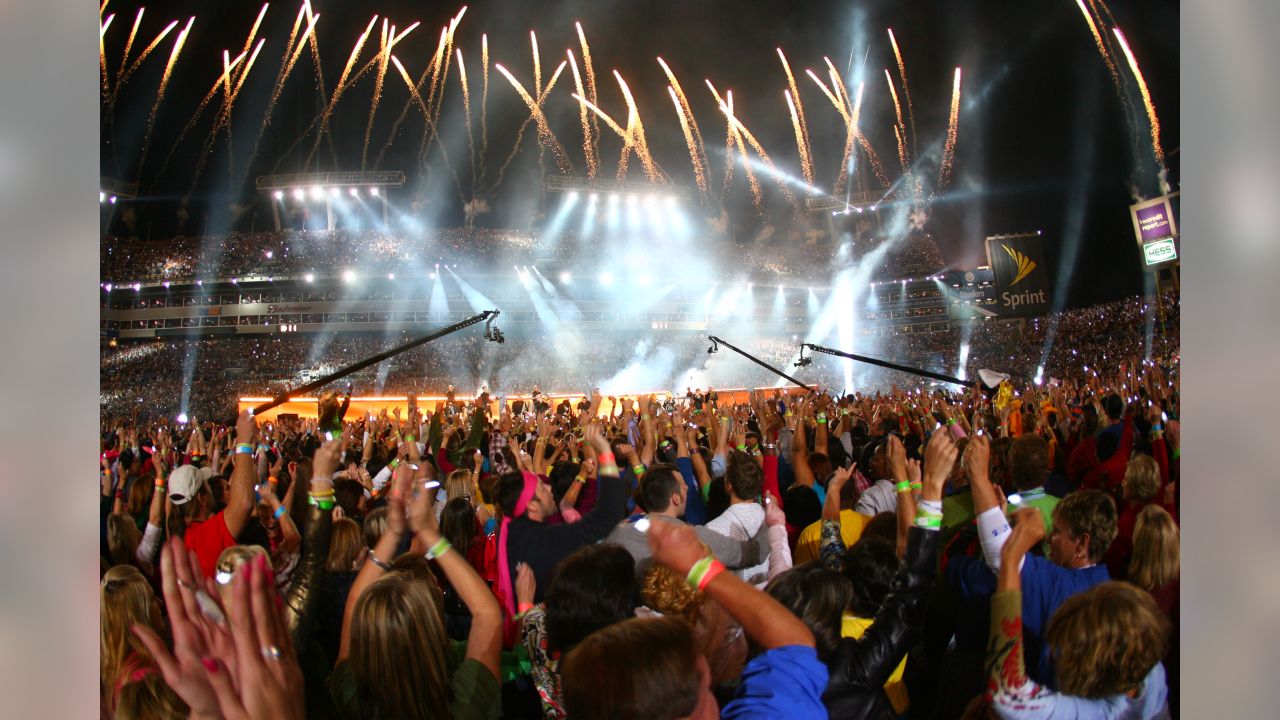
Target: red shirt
(208, 538)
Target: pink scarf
(504, 569)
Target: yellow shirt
(854, 627)
(851, 524)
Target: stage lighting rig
(493, 334)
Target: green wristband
(441, 547)
(929, 521)
(902, 486)
(694, 578)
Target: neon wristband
(607, 459)
(917, 485)
(611, 470)
(523, 608)
(702, 571)
(638, 469)
(393, 463)
(902, 486)
(160, 484)
(951, 421)
(281, 512)
(742, 448)
(241, 449)
(929, 522)
(441, 547)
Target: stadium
(448, 263)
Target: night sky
(1044, 139)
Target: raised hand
(939, 458)
(526, 584)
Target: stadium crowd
(126, 260)
(202, 377)
(898, 549)
(1007, 551)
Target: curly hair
(670, 594)
(1105, 640)
(1088, 512)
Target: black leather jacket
(859, 668)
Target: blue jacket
(1045, 586)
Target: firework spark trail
(902, 148)
(253, 32)
(688, 111)
(217, 85)
(337, 90)
(248, 43)
(102, 50)
(798, 120)
(699, 174)
(805, 164)
(589, 68)
(103, 7)
(764, 156)
(416, 97)
(636, 128)
(292, 51)
(484, 100)
(124, 61)
(1101, 45)
(1146, 97)
(588, 147)
(906, 91)
(164, 84)
(874, 159)
(735, 141)
(320, 84)
(537, 62)
(949, 152)
(515, 148)
(835, 102)
(146, 52)
(610, 122)
(222, 118)
(432, 68)
(446, 57)
(544, 130)
(384, 59)
(466, 109)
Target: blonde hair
(1156, 549)
(126, 600)
(346, 547)
(1105, 640)
(1141, 478)
(458, 484)
(398, 643)
(122, 539)
(233, 557)
(670, 594)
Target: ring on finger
(270, 652)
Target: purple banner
(1153, 222)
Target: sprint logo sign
(1022, 283)
(1024, 264)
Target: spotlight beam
(885, 364)
(717, 341)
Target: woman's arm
(304, 589)
(484, 642)
(1005, 656)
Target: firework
(688, 111)
(384, 59)
(805, 163)
(608, 121)
(1146, 96)
(902, 148)
(588, 147)
(949, 152)
(124, 61)
(797, 119)
(589, 68)
(320, 85)
(484, 99)
(164, 83)
(416, 97)
(735, 140)
(337, 90)
(835, 102)
(535, 109)
(195, 117)
(537, 61)
(292, 51)
(1100, 43)
(146, 52)
(102, 50)
(699, 174)
(636, 128)
(764, 158)
(466, 111)
(906, 91)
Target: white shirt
(881, 497)
(741, 522)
